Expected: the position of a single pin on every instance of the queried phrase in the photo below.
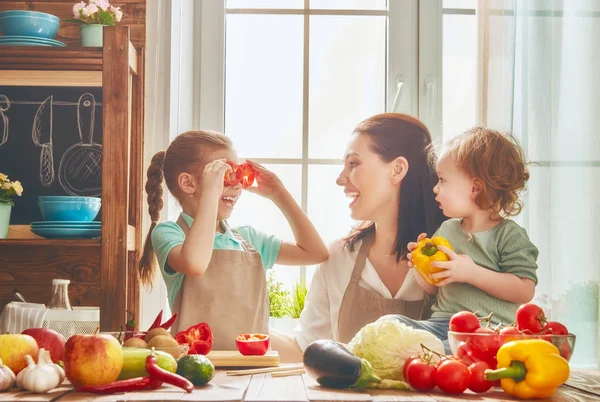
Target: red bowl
(472, 347)
(253, 344)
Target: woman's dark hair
(393, 135)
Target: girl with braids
(214, 273)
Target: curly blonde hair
(498, 160)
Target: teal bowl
(81, 211)
(29, 23)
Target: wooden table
(263, 387)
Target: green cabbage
(387, 343)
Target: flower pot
(4, 219)
(91, 35)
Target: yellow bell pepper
(427, 252)
(529, 369)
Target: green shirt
(504, 248)
(168, 235)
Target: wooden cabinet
(102, 271)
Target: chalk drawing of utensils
(4, 106)
(80, 170)
(42, 137)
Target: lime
(196, 368)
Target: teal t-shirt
(168, 235)
(504, 248)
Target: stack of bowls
(68, 217)
(28, 28)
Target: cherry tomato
(508, 334)
(477, 382)
(531, 317)
(420, 375)
(464, 321)
(452, 376)
(484, 346)
(463, 352)
(556, 328)
(565, 350)
(407, 362)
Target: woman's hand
(213, 176)
(411, 246)
(459, 268)
(268, 184)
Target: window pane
(460, 74)
(265, 3)
(349, 4)
(347, 79)
(559, 221)
(263, 84)
(468, 4)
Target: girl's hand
(460, 268)
(411, 246)
(213, 176)
(268, 184)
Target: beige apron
(231, 296)
(361, 306)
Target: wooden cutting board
(233, 358)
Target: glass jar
(60, 295)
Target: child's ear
(477, 185)
(187, 183)
(400, 169)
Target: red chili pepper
(199, 337)
(167, 324)
(157, 321)
(159, 374)
(132, 384)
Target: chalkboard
(51, 141)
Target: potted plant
(93, 16)
(8, 190)
(279, 301)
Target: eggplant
(333, 366)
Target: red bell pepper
(253, 344)
(199, 337)
(243, 173)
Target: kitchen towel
(18, 316)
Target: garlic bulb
(40, 377)
(7, 377)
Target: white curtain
(541, 80)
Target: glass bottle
(60, 295)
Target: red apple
(92, 359)
(50, 340)
(14, 348)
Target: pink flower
(77, 9)
(117, 12)
(103, 4)
(90, 9)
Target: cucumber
(134, 362)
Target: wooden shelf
(51, 242)
(51, 58)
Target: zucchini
(134, 362)
(333, 366)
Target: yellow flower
(16, 185)
(3, 177)
(6, 186)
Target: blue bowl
(29, 23)
(68, 198)
(69, 210)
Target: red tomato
(406, 363)
(463, 352)
(464, 321)
(484, 347)
(452, 376)
(508, 334)
(420, 375)
(531, 317)
(565, 350)
(477, 382)
(556, 328)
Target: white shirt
(319, 319)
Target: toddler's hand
(268, 184)
(213, 175)
(459, 268)
(411, 246)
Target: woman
(388, 177)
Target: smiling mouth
(229, 201)
(353, 196)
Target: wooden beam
(133, 60)
(51, 78)
(115, 177)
